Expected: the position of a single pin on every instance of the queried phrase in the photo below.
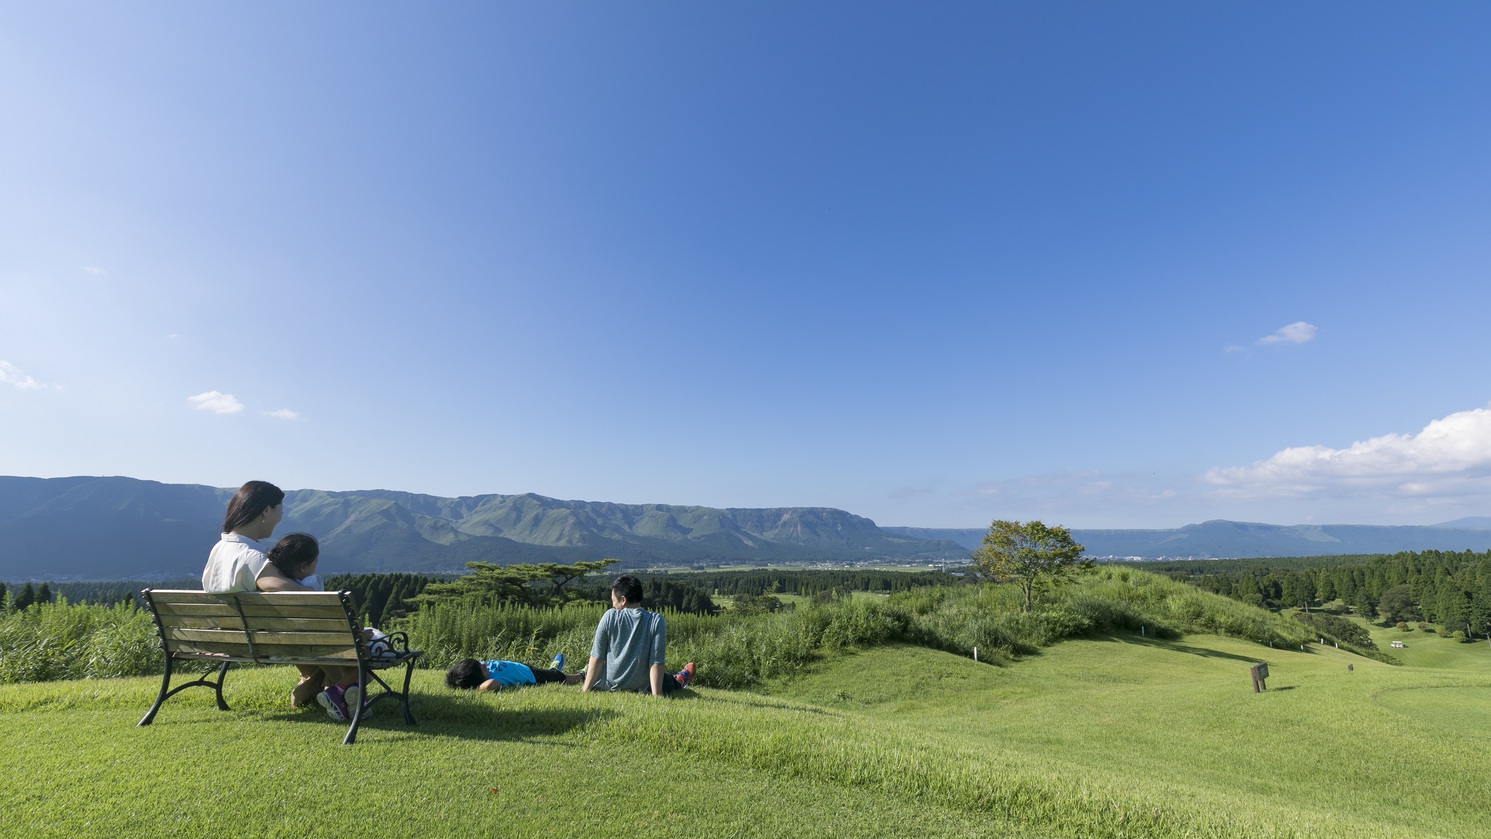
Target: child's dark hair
(294, 555)
(465, 674)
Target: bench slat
(207, 655)
(341, 639)
(307, 624)
(333, 610)
(276, 654)
(300, 598)
(321, 607)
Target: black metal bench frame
(302, 628)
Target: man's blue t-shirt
(630, 641)
(509, 673)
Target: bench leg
(165, 683)
(408, 674)
(362, 702)
(222, 673)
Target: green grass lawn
(1115, 736)
(1431, 650)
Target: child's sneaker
(351, 698)
(557, 663)
(685, 675)
(334, 701)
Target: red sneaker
(685, 675)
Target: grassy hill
(1117, 735)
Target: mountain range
(112, 528)
(124, 528)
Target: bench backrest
(267, 627)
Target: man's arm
(592, 672)
(656, 675)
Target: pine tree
(25, 598)
(44, 595)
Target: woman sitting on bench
(239, 563)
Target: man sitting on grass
(629, 645)
(497, 674)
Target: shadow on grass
(759, 701)
(449, 717)
(1177, 646)
(457, 716)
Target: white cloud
(97, 272)
(1450, 456)
(1298, 332)
(216, 402)
(283, 413)
(12, 375)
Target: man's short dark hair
(628, 588)
(465, 674)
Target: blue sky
(1101, 264)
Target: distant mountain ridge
(124, 528)
(1242, 540)
(120, 528)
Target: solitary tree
(546, 584)
(1029, 555)
(1397, 605)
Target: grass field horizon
(1115, 735)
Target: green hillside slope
(1118, 736)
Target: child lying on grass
(496, 674)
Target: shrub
(52, 641)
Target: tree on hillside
(1397, 606)
(25, 598)
(547, 584)
(1031, 555)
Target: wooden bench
(310, 628)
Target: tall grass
(66, 641)
(52, 641)
(451, 631)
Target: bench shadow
(439, 716)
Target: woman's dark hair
(251, 500)
(628, 588)
(464, 674)
(295, 554)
